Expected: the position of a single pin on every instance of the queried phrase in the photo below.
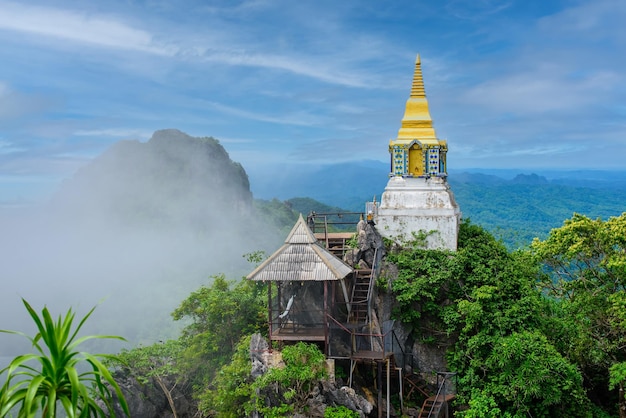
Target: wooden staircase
(413, 383)
(361, 293)
(433, 406)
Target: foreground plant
(41, 383)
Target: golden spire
(417, 88)
(416, 123)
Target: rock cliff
(173, 179)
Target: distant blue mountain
(516, 205)
(615, 179)
(340, 184)
(346, 185)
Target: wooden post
(388, 388)
(326, 348)
(269, 310)
(379, 380)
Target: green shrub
(304, 367)
(340, 412)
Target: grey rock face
(370, 242)
(258, 349)
(149, 401)
(370, 246)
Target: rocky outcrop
(258, 355)
(330, 394)
(370, 243)
(148, 400)
(326, 393)
(370, 247)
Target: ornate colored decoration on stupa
(417, 152)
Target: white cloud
(9, 148)
(111, 32)
(292, 118)
(599, 19)
(115, 132)
(544, 150)
(78, 27)
(312, 68)
(476, 9)
(14, 104)
(570, 61)
(546, 87)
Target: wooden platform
(444, 398)
(371, 355)
(288, 333)
(335, 242)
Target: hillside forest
(532, 328)
(536, 332)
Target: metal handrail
(371, 285)
(313, 223)
(441, 388)
(383, 337)
(437, 397)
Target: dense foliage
(482, 301)
(231, 389)
(531, 333)
(584, 269)
(234, 393)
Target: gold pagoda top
(417, 123)
(417, 152)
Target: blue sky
(511, 84)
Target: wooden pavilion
(307, 278)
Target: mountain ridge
(515, 206)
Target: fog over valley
(133, 232)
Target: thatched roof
(301, 258)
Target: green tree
(40, 382)
(231, 390)
(585, 271)
(219, 315)
(483, 303)
(502, 350)
(156, 362)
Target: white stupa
(417, 201)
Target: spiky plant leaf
(36, 384)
